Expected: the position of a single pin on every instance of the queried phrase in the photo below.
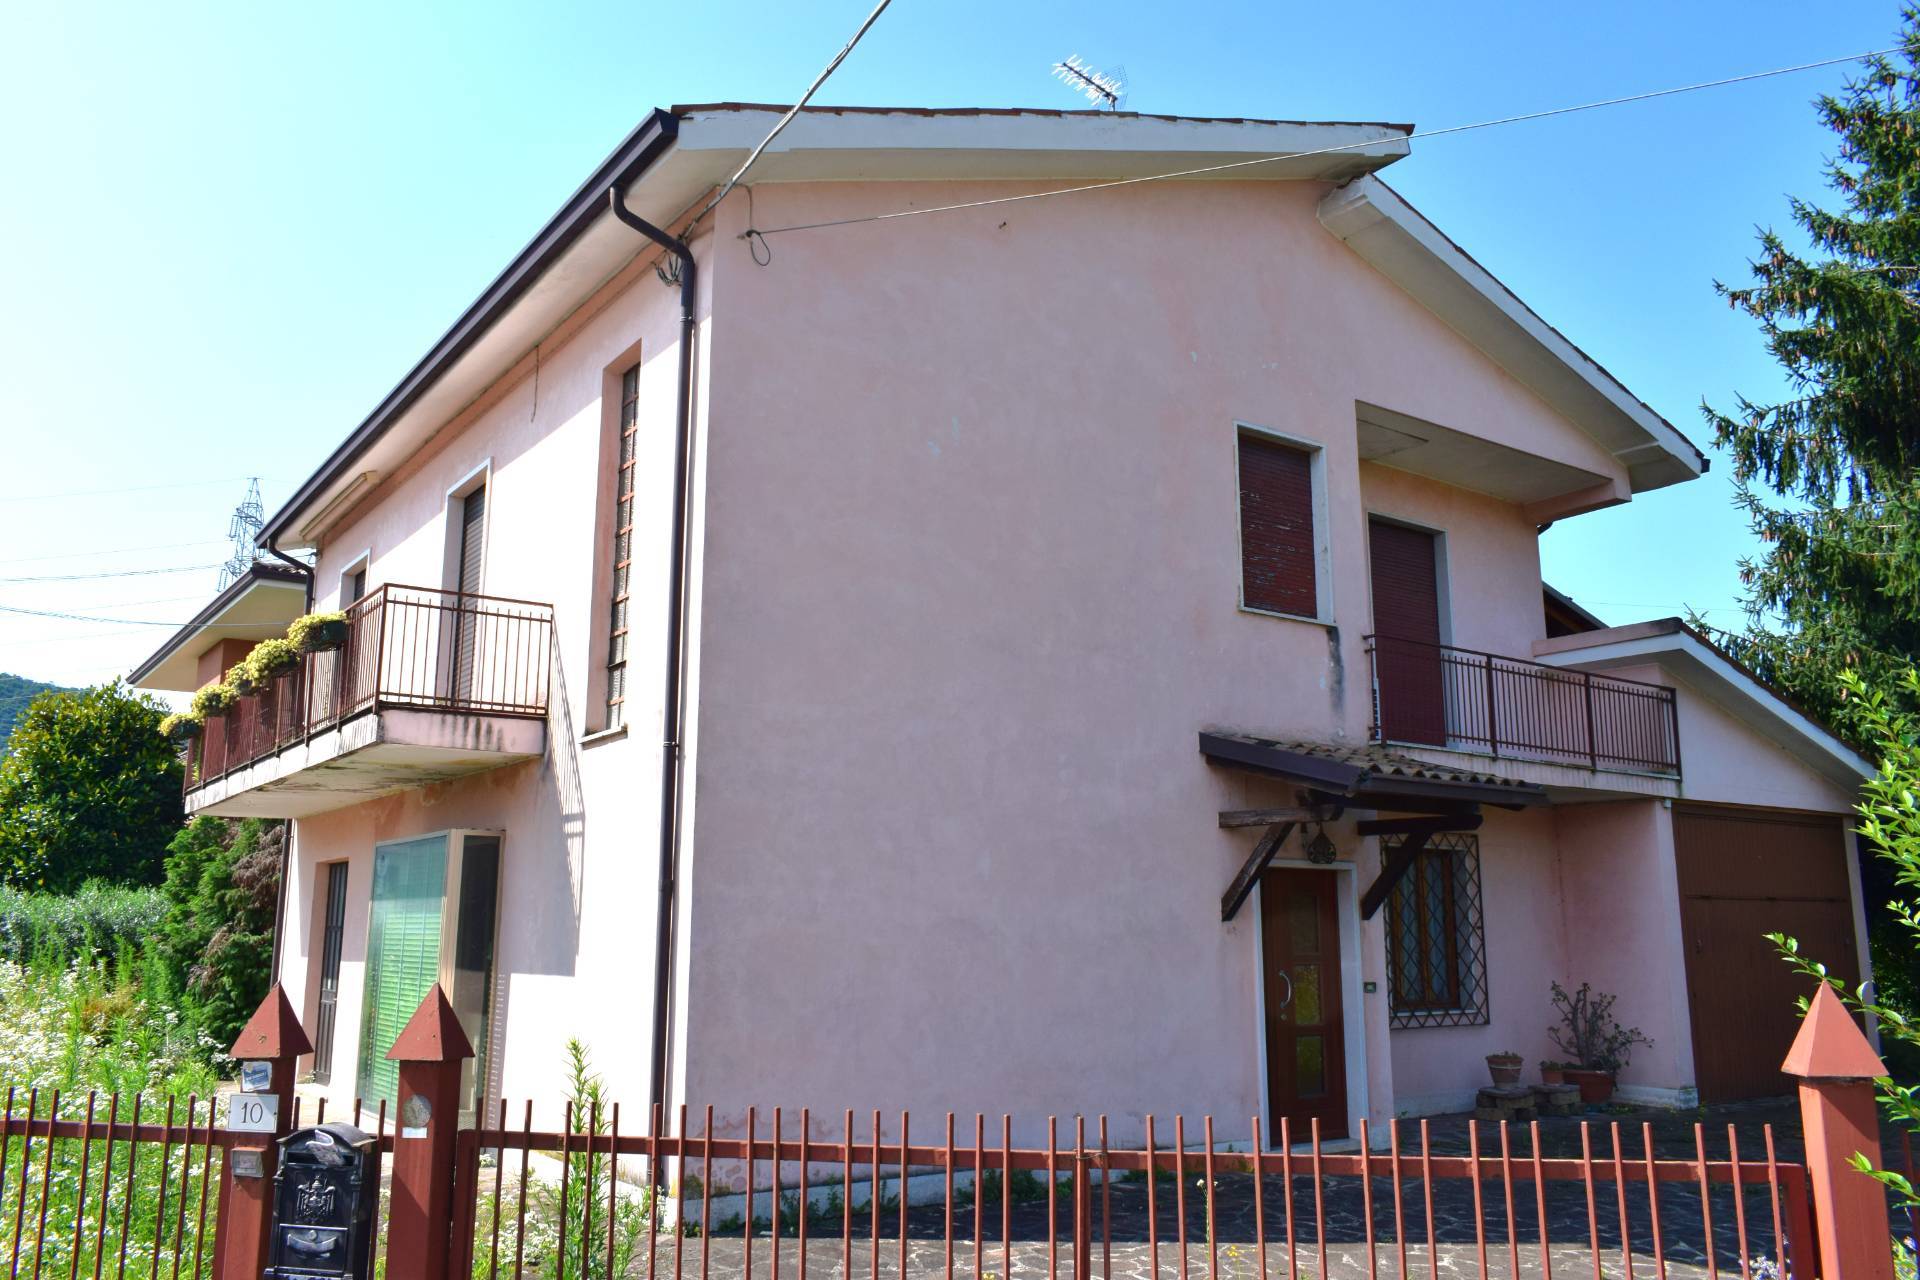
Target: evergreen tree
(1827, 476)
(222, 887)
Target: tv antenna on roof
(244, 531)
(1101, 88)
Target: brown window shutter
(1276, 528)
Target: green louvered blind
(403, 953)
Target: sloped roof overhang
(676, 156)
(1365, 777)
(259, 603)
(1710, 671)
(1374, 221)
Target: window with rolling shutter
(622, 549)
(1278, 550)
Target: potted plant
(215, 699)
(318, 632)
(269, 659)
(182, 726)
(241, 680)
(1593, 1039)
(1505, 1067)
(1552, 1072)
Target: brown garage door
(1745, 873)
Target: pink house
(1098, 642)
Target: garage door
(1743, 874)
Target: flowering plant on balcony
(268, 659)
(215, 699)
(241, 680)
(182, 726)
(318, 632)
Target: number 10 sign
(253, 1112)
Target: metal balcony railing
(406, 647)
(1467, 700)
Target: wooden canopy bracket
(1400, 858)
(1263, 852)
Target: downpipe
(676, 658)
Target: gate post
(243, 1228)
(1836, 1068)
(430, 1051)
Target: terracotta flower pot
(1553, 1075)
(1504, 1068)
(1595, 1086)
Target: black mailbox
(325, 1193)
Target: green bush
(89, 790)
(100, 919)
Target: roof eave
(648, 141)
(1377, 223)
(260, 573)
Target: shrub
(89, 790)
(216, 939)
(100, 919)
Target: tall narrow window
(1436, 940)
(622, 549)
(1277, 548)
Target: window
(432, 919)
(1279, 572)
(353, 583)
(622, 549)
(1436, 941)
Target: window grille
(1436, 937)
(622, 549)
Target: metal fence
(406, 648)
(864, 1199)
(1464, 699)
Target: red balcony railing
(1467, 700)
(406, 647)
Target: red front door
(1408, 663)
(1306, 1035)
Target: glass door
(435, 905)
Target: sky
(227, 230)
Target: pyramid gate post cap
(274, 1030)
(1831, 1045)
(432, 1034)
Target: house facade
(1083, 653)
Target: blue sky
(227, 230)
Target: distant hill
(15, 693)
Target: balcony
(429, 686)
(1463, 700)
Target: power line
(114, 551)
(133, 622)
(787, 119)
(1321, 151)
(138, 488)
(112, 573)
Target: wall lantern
(1320, 849)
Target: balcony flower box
(182, 727)
(318, 632)
(214, 700)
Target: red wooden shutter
(1276, 528)
(1409, 664)
(1406, 582)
